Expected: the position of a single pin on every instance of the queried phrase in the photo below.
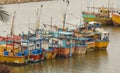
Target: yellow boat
(102, 40)
(101, 44)
(11, 53)
(116, 19)
(13, 59)
(9, 49)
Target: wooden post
(13, 45)
(70, 47)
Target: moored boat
(49, 51)
(102, 40)
(65, 46)
(116, 19)
(98, 38)
(50, 54)
(12, 52)
(33, 43)
(103, 16)
(80, 46)
(12, 49)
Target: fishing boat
(87, 31)
(116, 18)
(12, 49)
(36, 54)
(49, 50)
(97, 37)
(65, 46)
(80, 45)
(33, 45)
(50, 53)
(101, 39)
(12, 52)
(102, 16)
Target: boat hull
(36, 58)
(50, 55)
(80, 50)
(116, 20)
(64, 52)
(91, 46)
(13, 59)
(99, 45)
(94, 17)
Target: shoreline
(4, 2)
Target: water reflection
(90, 62)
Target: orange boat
(64, 45)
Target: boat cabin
(104, 12)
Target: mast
(64, 21)
(12, 31)
(38, 17)
(51, 22)
(12, 27)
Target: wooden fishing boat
(33, 44)
(49, 51)
(97, 37)
(116, 19)
(13, 59)
(12, 52)
(35, 41)
(65, 47)
(103, 16)
(50, 54)
(80, 46)
(102, 40)
(88, 32)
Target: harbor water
(106, 61)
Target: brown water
(93, 62)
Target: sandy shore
(18, 1)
